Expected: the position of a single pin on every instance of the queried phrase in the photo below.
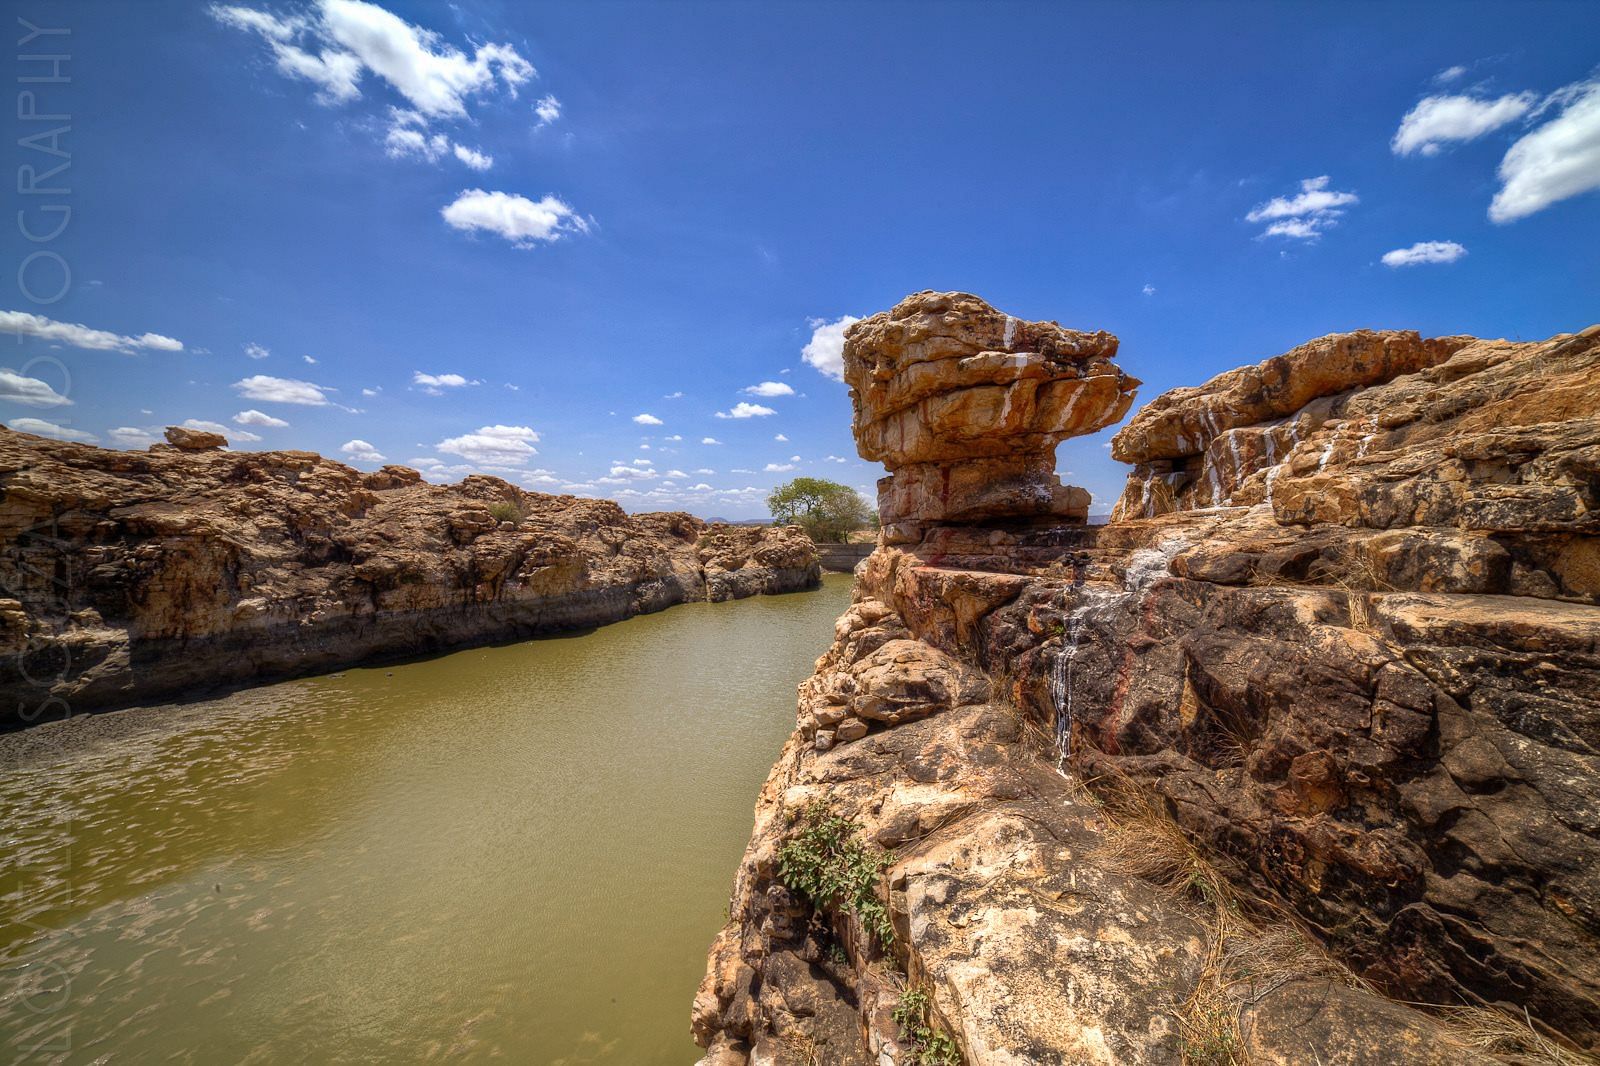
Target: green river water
(516, 854)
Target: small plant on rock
(826, 861)
(506, 511)
(929, 1046)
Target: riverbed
(516, 854)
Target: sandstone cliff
(132, 576)
(1302, 742)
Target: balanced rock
(194, 440)
(965, 405)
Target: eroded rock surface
(1359, 669)
(965, 405)
(135, 575)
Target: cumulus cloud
(825, 349)
(835, 459)
(403, 142)
(1437, 120)
(779, 468)
(361, 451)
(1558, 160)
(498, 445)
(746, 410)
(336, 42)
(548, 109)
(26, 324)
(256, 351)
(1149, 290)
(769, 388)
(281, 390)
(781, 438)
(435, 384)
(30, 392)
(647, 420)
(1424, 252)
(40, 428)
(309, 361)
(253, 417)
(217, 427)
(519, 220)
(1305, 215)
(132, 437)
(709, 440)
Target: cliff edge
(134, 576)
(1295, 761)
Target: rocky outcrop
(1353, 687)
(131, 576)
(965, 406)
(194, 440)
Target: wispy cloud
(1556, 161)
(1424, 252)
(1438, 120)
(1305, 215)
(435, 384)
(27, 324)
(281, 390)
(39, 427)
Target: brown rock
(194, 440)
(965, 405)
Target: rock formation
(966, 405)
(132, 576)
(1309, 735)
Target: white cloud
(519, 220)
(281, 390)
(40, 428)
(1306, 214)
(472, 157)
(1449, 74)
(256, 351)
(548, 109)
(709, 440)
(746, 410)
(30, 392)
(1437, 120)
(674, 438)
(647, 420)
(779, 468)
(26, 324)
(1149, 290)
(835, 459)
(1556, 161)
(769, 388)
(677, 474)
(133, 437)
(673, 395)
(253, 417)
(353, 37)
(361, 451)
(309, 361)
(502, 445)
(1424, 252)
(705, 471)
(825, 349)
(217, 427)
(403, 141)
(781, 439)
(435, 384)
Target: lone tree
(826, 510)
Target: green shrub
(506, 511)
(826, 862)
(929, 1046)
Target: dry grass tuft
(1499, 1033)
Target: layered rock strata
(965, 406)
(1361, 683)
(132, 576)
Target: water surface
(516, 854)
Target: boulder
(194, 440)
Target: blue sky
(506, 231)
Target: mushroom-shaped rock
(965, 405)
(194, 440)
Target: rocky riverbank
(135, 576)
(1305, 738)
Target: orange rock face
(965, 405)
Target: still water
(517, 854)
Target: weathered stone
(185, 569)
(965, 405)
(194, 440)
